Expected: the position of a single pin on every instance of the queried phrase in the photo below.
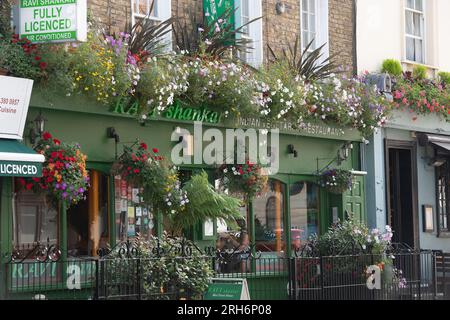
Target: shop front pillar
(93, 195)
(6, 192)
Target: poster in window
(208, 228)
(138, 211)
(130, 193)
(131, 212)
(135, 195)
(123, 205)
(428, 223)
(144, 212)
(123, 189)
(131, 230)
(138, 221)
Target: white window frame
(321, 27)
(423, 30)
(254, 32)
(163, 9)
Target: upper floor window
(442, 183)
(415, 30)
(248, 10)
(155, 10)
(314, 25)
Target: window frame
(164, 12)
(254, 32)
(423, 30)
(446, 175)
(321, 27)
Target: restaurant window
(35, 219)
(248, 10)
(314, 25)
(304, 204)
(415, 30)
(133, 218)
(442, 184)
(156, 11)
(269, 219)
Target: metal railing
(406, 275)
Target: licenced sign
(20, 169)
(52, 20)
(15, 96)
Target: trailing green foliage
(392, 66)
(444, 77)
(420, 72)
(205, 203)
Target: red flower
(22, 181)
(57, 142)
(136, 170)
(155, 150)
(54, 154)
(46, 136)
(36, 179)
(42, 65)
(143, 146)
(37, 58)
(29, 186)
(129, 168)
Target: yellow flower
(86, 88)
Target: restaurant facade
(293, 208)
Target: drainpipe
(355, 51)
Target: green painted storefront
(79, 120)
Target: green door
(354, 201)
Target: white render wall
(380, 33)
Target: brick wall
(341, 31)
(278, 30)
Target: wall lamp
(39, 127)
(344, 152)
(112, 134)
(291, 150)
(437, 161)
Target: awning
(443, 145)
(18, 160)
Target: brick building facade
(279, 30)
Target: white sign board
(15, 96)
(52, 20)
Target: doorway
(402, 191)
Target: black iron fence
(402, 275)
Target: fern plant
(204, 203)
(307, 64)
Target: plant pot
(4, 72)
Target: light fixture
(39, 127)
(280, 7)
(112, 134)
(437, 161)
(291, 150)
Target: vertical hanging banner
(213, 9)
(52, 20)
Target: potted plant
(336, 181)
(65, 178)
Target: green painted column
(5, 229)
(112, 212)
(287, 220)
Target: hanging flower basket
(152, 173)
(248, 179)
(336, 181)
(64, 175)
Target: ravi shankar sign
(52, 20)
